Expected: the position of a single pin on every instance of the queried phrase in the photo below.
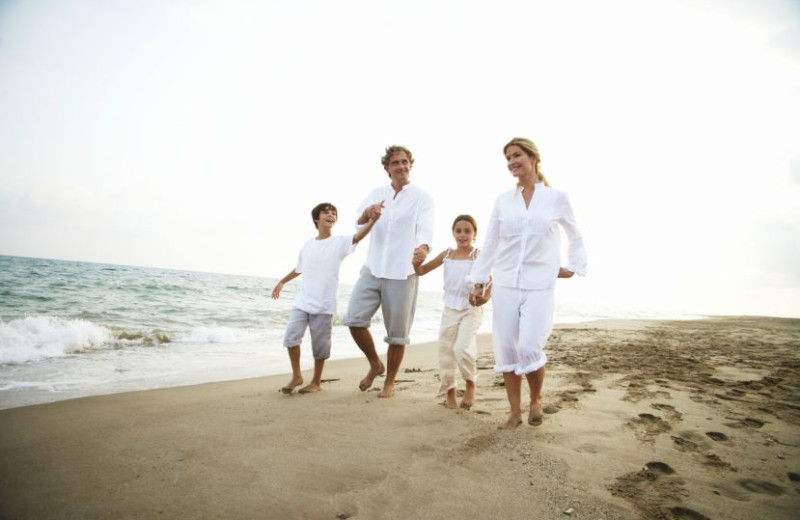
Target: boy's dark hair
(319, 208)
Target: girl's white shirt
(456, 286)
(523, 244)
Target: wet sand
(646, 420)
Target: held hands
(374, 211)
(478, 296)
(564, 273)
(419, 255)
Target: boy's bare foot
(366, 383)
(289, 388)
(388, 390)
(512, 422)
(469, 397)
(535, 415)
(310, 389)
(451, 399)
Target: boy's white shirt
(319, 262)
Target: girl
(462, 315)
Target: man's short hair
(394, 149)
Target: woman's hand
(276, 292)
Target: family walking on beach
(517, 269)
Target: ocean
(73, 329)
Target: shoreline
(649, 420)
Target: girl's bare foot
(310, 388)
(289, 388)
(513, 421)
(451, 399)
(469, 396)
(366, 383)
(536, 414)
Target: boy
(315, 304)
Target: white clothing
(523, 244)
(405, 224)
(522, 321)
(319, 262)
(456, 286)
(458, 348)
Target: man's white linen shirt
(523, 244)
(406, 223)
(319, 262)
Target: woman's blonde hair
(529, 147)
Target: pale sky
(198, 135)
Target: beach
(646, 420)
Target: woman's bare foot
(451, 399)
(310, 388)
(289, 388)
(536, 414)
(513, 421)
(388, 390)
(366, 383)
(469, 396)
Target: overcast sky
(199, 134)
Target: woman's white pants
(522, 323)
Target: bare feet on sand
(289, 388)
(310, 389)
(536, 414)
(388, 390)
(451, 399)
(469, 397)
(512, 422)
(366, 383)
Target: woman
(522, 251)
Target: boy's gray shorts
(396, 298)
(320, 326)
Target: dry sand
(648, 420)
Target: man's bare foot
(469, 397)
(512, 422)
(535, 415)
(388, 390)
(451, 399)
(366, 383)
(310, 389)
(289, 388)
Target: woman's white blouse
(522, 248)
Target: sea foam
(39, 337)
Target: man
(401, 238)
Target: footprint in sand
(746, 423)
(685, 444)
(794, 477)
(682, 513)
(648, 426)
(761, 487)
(717, 436)
(669, 411)
(660, 467)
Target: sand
(647, 420)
